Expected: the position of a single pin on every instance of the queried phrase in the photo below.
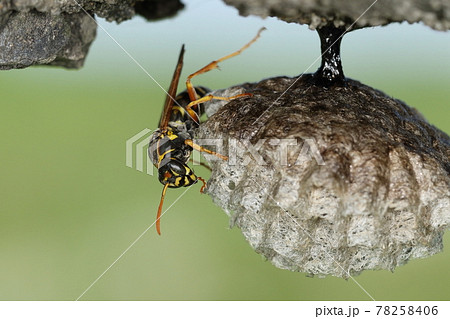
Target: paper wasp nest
(367, 185)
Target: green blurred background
(70, 206)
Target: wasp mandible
(172, 143)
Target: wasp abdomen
(168, 144)
(169, 153)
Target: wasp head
(176, 174)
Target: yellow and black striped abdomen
(169, 153)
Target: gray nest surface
(344, 13)
(59, 33)
(362, 181)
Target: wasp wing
(171, 93)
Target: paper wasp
(172, 143)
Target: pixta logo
(239, 152)
(136, 152)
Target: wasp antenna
(158, 216)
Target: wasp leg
(202, 189)
(210, 97)
(201, 164)
(214, 65)
(205, 150)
